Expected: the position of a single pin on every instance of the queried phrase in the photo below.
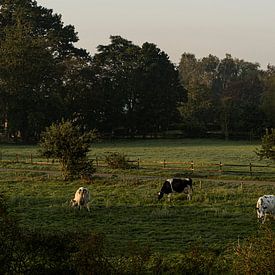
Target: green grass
(128, 211)
(125, 208)
(203, 152)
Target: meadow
(124, 205)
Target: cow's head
(73, 203)
(160, 195)
(261, 209)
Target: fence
(25, 158)
(190, 166)
(221, 168)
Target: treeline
(124, 89)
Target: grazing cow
(265, 206)
(176, 185)
(81, 198)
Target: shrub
(117, 161)
(267, 149)
(70, 146)
(257, 254)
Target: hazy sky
(243, 28)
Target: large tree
(223, 95)
(268, 98)
(197, 76)
(140, 86)
(34, 44)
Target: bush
(267, 149)
(70, 146)
(117, 161)
(256, 255)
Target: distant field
(126, 210)
(206, 154)
(199, 150)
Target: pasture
(125, 208)
(128, 211)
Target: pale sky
(243, 28)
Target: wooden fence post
(250, 168)
(138, 163)
(31, 158)
(220, 166)
(164, 163)
(192, 166)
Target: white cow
(81, 198)
(265, 206)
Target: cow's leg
(169, 196)
(189, 192)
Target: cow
(81, 198)
(265, 206)
(176, 185)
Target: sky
(243, 28)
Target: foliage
(117, 161)
(268, 100)
(223, 95)
(34, 45)
(124, 89)
(256, 255)
(267, 149)
(140, 87)
(70, 146)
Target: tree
(115, 65)
(239, 89)
(267, 149)
(140, 87)
(66, 142)
(160, 91)
(268, 98)
(198, 76)
(34, 44)
(223, 95)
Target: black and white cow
(265, 206)
(176, 185)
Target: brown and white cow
(81, 198)
(265, 206)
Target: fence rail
(184, 166)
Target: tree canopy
(123, 89)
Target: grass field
(126, 210)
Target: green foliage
(223, 95)
(140, 90)
(65, 142)
(117, 161)
(267, 149)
